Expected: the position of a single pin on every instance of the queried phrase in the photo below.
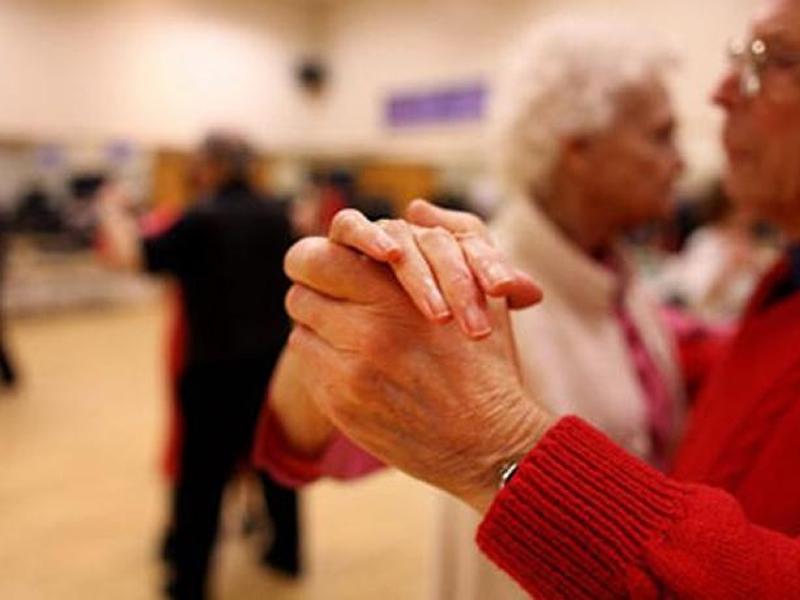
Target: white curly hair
(565, 80)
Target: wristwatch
(507, 472)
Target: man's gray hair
(565, 80)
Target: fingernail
(437, 306)
(498, 275)
(477, 323)
(387, 246)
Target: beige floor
(81, 498)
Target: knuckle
(298, 249)
(485, 258)
(482, 263)
(395, 227)
(433, 236)
(297, 305)
(307, 248)
(474, 223)
(357, 373)
(345, 220)
(461, 279)
(293, 259)
(290, 300)
(317, 254)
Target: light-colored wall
(377, 46)
(163, 71)
(155, 72)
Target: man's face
(761, 134)
(630, 169)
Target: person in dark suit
(226, 253)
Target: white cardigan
(575, 360)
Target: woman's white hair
(565, 80)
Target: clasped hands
(402, 341)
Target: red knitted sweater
(583, 519)
(744, 435)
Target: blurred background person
(226, 254)
(306, 207)
(716, 272)
(326, 192)
(8, 370)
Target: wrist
(500, 463)
(306, 429)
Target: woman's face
(628, 172)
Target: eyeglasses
(754, 59)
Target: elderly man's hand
(416, 394)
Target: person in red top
(575, 516)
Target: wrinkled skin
(443, 408)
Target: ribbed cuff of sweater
(578, 515)
(340, 459)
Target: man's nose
(728, 92)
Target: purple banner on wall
(49, 156)
(119, 152)
(452, 104)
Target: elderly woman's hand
(412, 392)
(445, 260)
